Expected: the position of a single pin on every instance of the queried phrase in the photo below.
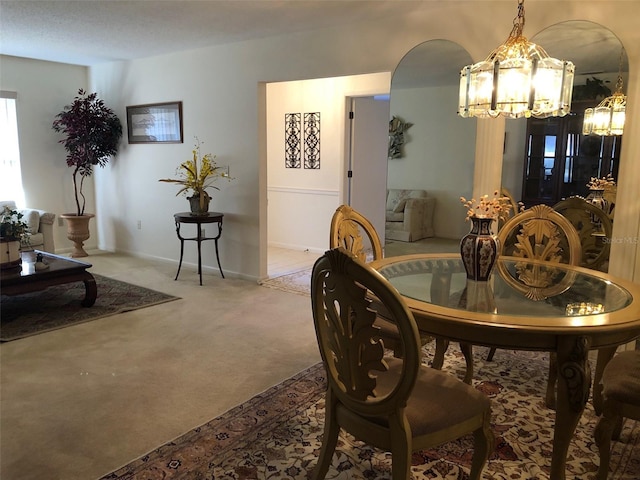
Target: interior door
(368, 166)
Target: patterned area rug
(278, 434)
(297, 282)
(59, 306)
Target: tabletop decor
(13, 230)
(596, 187)
(195, 176)
(480, 248)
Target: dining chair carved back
(396, 404)
(348, 230)
(621, 399)
(594, 228)
(540, 233)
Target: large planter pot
(9, 254)
(479, 249)
(78, 231)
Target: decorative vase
(596, 197)
(78, 231)
(10, 254)
(479, 249)
(198, 207)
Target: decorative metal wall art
(397, 127)
(292, 140)
(312, 140)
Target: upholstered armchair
(409, 215)
(40, 225)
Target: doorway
(298, 203)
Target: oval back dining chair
(594, 228)
(540, 233)
(395, 404)
(348, 226)
(347, 229)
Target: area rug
(59, 306)
(297, 282)
(278, 434)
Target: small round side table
(188, 217)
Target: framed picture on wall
(155, 123)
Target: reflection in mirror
(439, 152)
(547, 160)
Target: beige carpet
(60, 306)
(277, 435)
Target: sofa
(409, 215)
(40, 225)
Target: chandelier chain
(518, 21)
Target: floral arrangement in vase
(497, 207)
(601, 183)
(198, 174)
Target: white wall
(439, 153)
(302, 201)
(223, 93)
(43, 89)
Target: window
(559, 160)
(10, 175)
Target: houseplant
(13, 231)
(92, 133)
(195, 176)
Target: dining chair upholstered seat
(540, 233)
(395, 404)
(621, 399)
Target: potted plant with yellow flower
(195, 176)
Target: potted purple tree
(92, 135)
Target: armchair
(409, 215)
(40, 225)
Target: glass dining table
(526, 305)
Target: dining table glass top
(517, 287)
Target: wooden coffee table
(61, 270)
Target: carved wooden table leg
(574, 381)
(91, 290)
(441, 348)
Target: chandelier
(608, 117)
(517, 79)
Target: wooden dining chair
(396, 404)
(621, 399)
(594, 228)
(540, 233)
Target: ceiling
(88, 32)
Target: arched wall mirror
(546, 160)
(437, 157)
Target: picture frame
(155, 123)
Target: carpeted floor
(278, 433)
(59, 306)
